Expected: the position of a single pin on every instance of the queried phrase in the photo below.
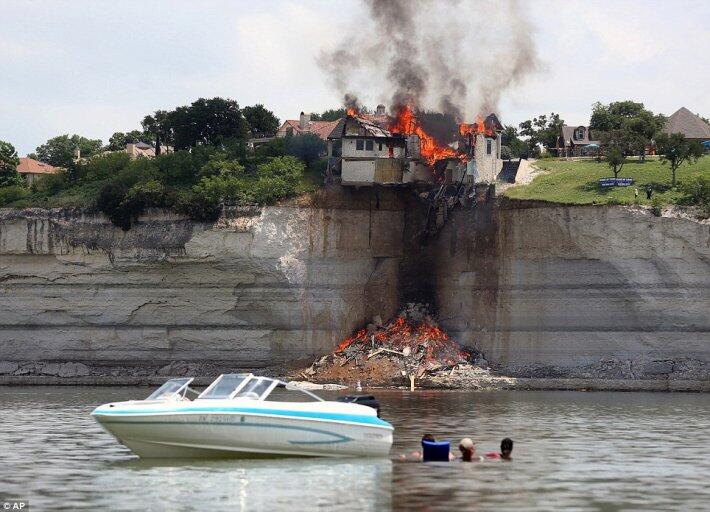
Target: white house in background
(32, 169)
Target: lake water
(573, 451)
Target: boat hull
(244, 435)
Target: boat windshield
(246, 385)
(225, 385)
(170, 388)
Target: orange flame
(400, 334)
(475, 128)
(407, 123)
(352, 112)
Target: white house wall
(358, 172)
(487, 166)
(350, 150)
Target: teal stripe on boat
(339, 438)
(352, 418)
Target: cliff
(540, 291)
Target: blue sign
(615, 182)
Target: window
(359, 145)
(223, 386)
(580, 133)
(489, 146)
(379, 146)
(170, 388)
(369, 145)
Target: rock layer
(579, 292)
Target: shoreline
(517, 384)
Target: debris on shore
(411, 348)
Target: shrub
(50, 184)
(656, 206)
(696, 192)
(110, 203)
(198, 207)
(12, 193)
(101, 167)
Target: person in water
(506, 449)
(468, 450)
(417, 455)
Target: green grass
(575, 182)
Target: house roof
(687, 123)
(568, 135)
(31, 166)
(492, 122)
(361, 126)
(320, 128)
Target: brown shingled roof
(31, 166)
(320, 128)
(687, 123)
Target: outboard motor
(368, 400)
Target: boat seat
(436, 451)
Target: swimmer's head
(467, 448)
(506, 447)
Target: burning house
(367, 150)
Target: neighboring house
(573, 141)
(687, 123)
(137, 149)
(32, 169)
(305, 125)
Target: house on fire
(362, 151)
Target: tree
(118, 140)
(510, 139)
(8, 165)
(157, 125)
(332, 114)
(641, 125)
(262, 122)
(206, 122)
(675, 149)
(541, 130)
(59, 151)
(616, 143)
(307, 147)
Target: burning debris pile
(410, 348)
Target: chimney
(77, 154)
(380, 110)
(305, 122)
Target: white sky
(94, 67)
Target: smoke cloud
(452, 56)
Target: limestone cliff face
(259, 288)
(584, 291)
(564, 291)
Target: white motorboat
(242, 415)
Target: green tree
(616, 143)
(308, 147)
(541, 130)
(332, 114)
(59, 151)
(675, 149)
(158, 126)
(639, 124)
(262, 122)
(118, 140)
(209, 122)
(510, 139)
(8, 166)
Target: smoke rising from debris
(452, 56)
